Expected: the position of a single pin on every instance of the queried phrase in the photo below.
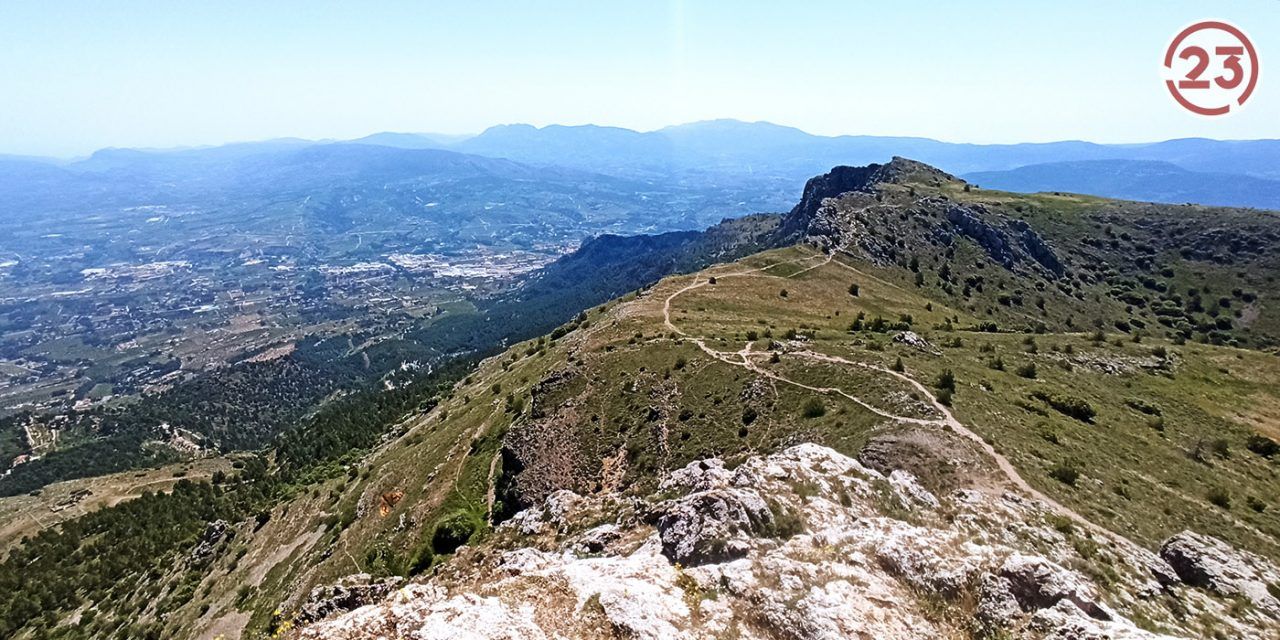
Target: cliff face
(804, 543)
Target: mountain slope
(1038, 435)
(623, 399)
(1146, 180)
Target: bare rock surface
(351, 592)
(810, 544)
(1207, 562)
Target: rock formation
(808, 543)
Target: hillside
(1146, 180)
(965, 412)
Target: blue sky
(76, 76)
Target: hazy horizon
(80, 76)
(467, 135)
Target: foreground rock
(1207, 562)
(810, 544)
(352, 592)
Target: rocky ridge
(809, 543)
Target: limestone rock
(350, 593)
(711, 526)
(1037, 583)
(710, 562)
(1207, 562)
(915, 341)
(214, 533)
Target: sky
(78, 76)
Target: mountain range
(758, 161)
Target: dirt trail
(490, 494)
(744, 357)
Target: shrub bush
(944, 397)
(452, 532)
(946, 380)
(1071, 406)
(1220, 498)
(1066, 473)
(813, 408)
(1262, 445)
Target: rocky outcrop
(1209, 563)
(214, 534)
(712, 526)
(858, 211)
(1037, 248)
(1036, 583)
(804, 544)
(844, 179)
(351, 592)
(988, 236)
(915, 341)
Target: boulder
(595, 540)
(1064, 621)
(711, 526)
(214, 533)
(699, 475)
(1037, 583)
(1209, 563)
(909, 492)
(915, 341)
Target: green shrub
(1142, 406)
(1220, 497)
(783, 523)
(1220, 447)
(944, 397)
(1071, 406)
(452, 532)
(1027, 370)
(1066, 473)
(1254, 503)
(1262, 445)
(946, 380)
(813, 408)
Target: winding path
(744, 359)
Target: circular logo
(1211, 68)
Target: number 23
(1230, 63)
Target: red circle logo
(1210, 68)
